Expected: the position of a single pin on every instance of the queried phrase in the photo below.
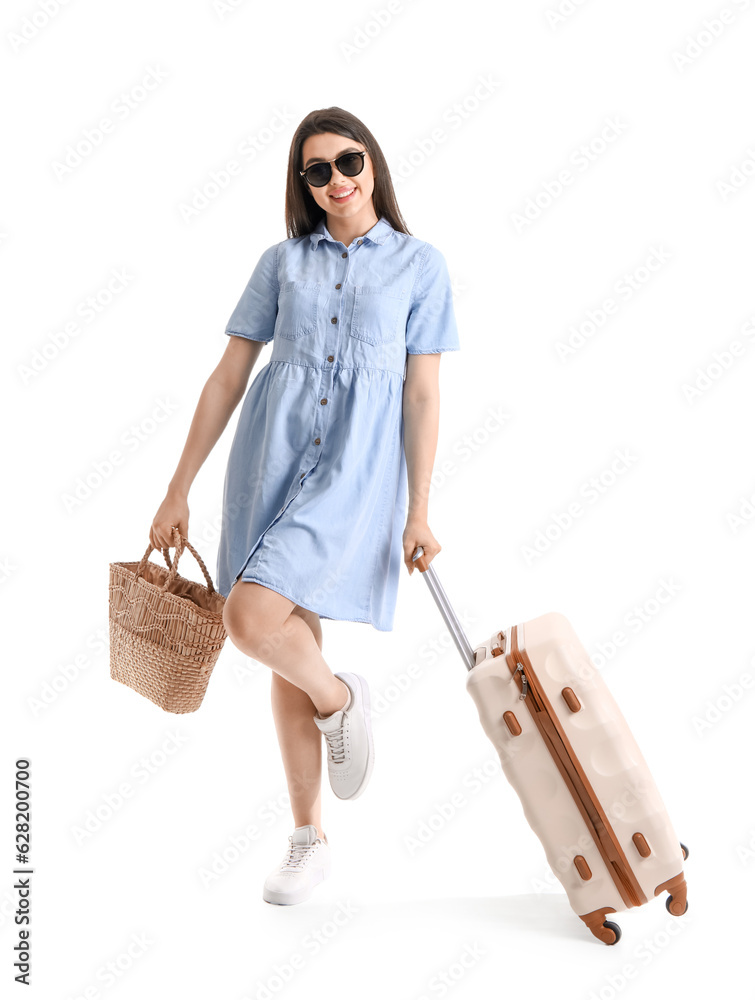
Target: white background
(480, 882)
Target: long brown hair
(302, 211)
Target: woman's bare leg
(300, 740)
(271, 629)
(260, 624)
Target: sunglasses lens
(350, 164)
(318, 174)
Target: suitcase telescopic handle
(449, 615)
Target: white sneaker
(305, 865)
(351, 754)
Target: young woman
(333, 432)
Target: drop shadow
(544, 914)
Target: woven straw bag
(166, 632)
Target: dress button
(333, 319)
(344, 254)
(358, 241)
(317, 440)
(330, 357)
(338, 285)
(323, 402)
(301, 476)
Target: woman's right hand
(174, 510)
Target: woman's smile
(342, 194)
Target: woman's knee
(255, 619)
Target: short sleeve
(431, 324)
(254, 315)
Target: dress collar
(378, 234)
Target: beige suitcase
(564, 745)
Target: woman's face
(327, 146)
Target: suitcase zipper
(520, 667)
(564, 757)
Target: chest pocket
(297, 309)
(377, 313)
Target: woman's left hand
(417, 533)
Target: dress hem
(279, 590)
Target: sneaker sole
(288, 899)
(364, 688)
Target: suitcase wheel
(676, 901)
(676, 912)
(604, 930)
(610, 929)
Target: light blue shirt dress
(315, 494)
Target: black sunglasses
(349, 164)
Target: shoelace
(335, 746)
(297, 855)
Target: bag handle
(166, 556)
(173, 567)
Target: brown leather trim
(595, 921)
(513, 723)
(571, 700)
(574, 775)
(583, 868)
(643, 848)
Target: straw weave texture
(166, 632)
